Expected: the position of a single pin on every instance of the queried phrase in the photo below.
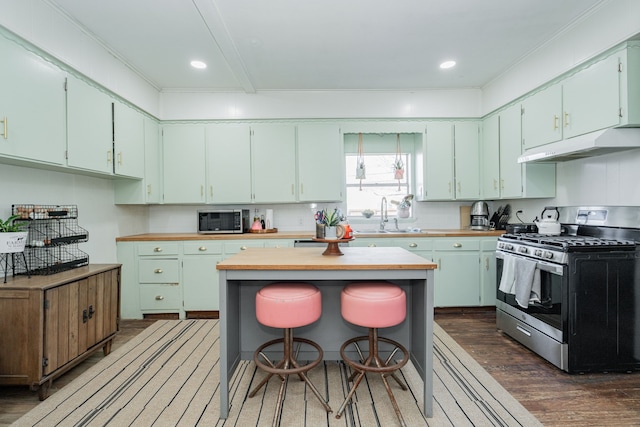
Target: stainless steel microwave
(223, 221)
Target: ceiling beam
(212, 18)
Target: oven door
(547, 316)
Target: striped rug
(169, 376)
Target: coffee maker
(479, 216)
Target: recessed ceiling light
(198, 64)
(447, 64)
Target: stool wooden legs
(381, 367)
(285, 367)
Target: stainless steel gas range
(574, 298)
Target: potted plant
(404, 206)
(13, 238)
(331, 220)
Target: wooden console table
(49, 324)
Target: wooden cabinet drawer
(159, 270)
(159, 248)
(202, 248)
(162, 297)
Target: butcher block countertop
(150, 237)
(312, 259)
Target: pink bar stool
(287, 305)
(374, 305)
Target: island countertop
(354, 258)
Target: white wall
(44, 26)
(608, 25)
(94, 197)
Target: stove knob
(538, 253)
(548, 255)
(508, 247)
(500, 245)
(523, 250)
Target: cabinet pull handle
(457, 245)
(486, 263)
(201, 190)
(158, 271)
(120, 158)
(91, 311)
(301, 188)
(495, 184)
(372, 245)
(555, 122)
(459, 187)
(413, 245)
(157, 249)
(293, 189)
(149, 189)
(85, 316)
(439, 263)
(109, 156)
(202, 248)
(566, 119)
(502, 184)
(5, 135)
(159, 297)
(211, 190)
(243, 248)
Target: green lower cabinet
(488, 279)
(457, 277)
(200, 280)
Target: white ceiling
(322, 44)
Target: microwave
(223, 221)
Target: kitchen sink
(413, 231)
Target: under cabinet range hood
(588, 145)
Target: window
(379, 158)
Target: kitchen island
(243, 274)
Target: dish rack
(54, 235)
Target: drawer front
(489, 245)
(159, 248)
(160, 297)
(234, 247)
(411, 244)
(159, 270)
(457, 245)
(202, 248)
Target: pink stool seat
(288, 304)
(373, 304)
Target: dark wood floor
(554, 397)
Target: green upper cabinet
(320, 162)
(521, 180)
(273, 158)
(510, 150)
(183, 172)
(591, 98)
(490, 159)
(32, 106)
(89, 127)
(466, 145)
(438, 162)
(128, 141)
(542, 117)
(147, 190)
(228, 150)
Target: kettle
(549, 222)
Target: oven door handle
(556, 269)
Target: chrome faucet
(384, 217)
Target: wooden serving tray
(266, 230)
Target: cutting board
(465, 216)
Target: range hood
(592, 144)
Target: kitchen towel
(508, 275)
(526, 280)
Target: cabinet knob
(457, 245)
(158, 271)
(413, 245)
(202, 248)
(243, 248)
(372, 245)
(157, 249)
(159, 297)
